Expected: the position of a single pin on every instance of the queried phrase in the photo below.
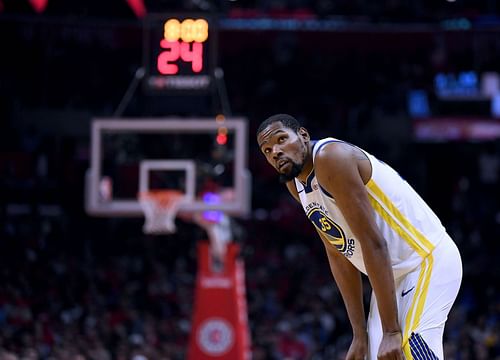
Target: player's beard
(293, 173)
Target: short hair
(287, 121)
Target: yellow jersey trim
(417, 306)
(407, 351)
(418, 242)
(397, 221)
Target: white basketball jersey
(408, 225)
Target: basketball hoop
(160, 208)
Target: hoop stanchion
(220, 324)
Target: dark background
(73, 286)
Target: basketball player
(371, 221)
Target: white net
(160, 208)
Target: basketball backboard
(136, 155)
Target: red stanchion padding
(220, 321)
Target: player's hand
(359, 348)
(391, 347)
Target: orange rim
(163, 198)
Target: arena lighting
(220, 118)
(39, 5)
(137, 7)
(221, 139)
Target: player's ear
(304, 134)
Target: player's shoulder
(341, 162)
(332, 150)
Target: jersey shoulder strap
(320, 143)
(298, 185)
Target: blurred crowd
(74, 287)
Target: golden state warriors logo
(334, 233)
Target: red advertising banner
(456, 129)
(220, 323)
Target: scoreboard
(179, 53)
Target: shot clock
(179, 53)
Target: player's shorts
(424, 298)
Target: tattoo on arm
(358, 153)
(361, 156)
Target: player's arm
(337, 171)
(349, 282)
